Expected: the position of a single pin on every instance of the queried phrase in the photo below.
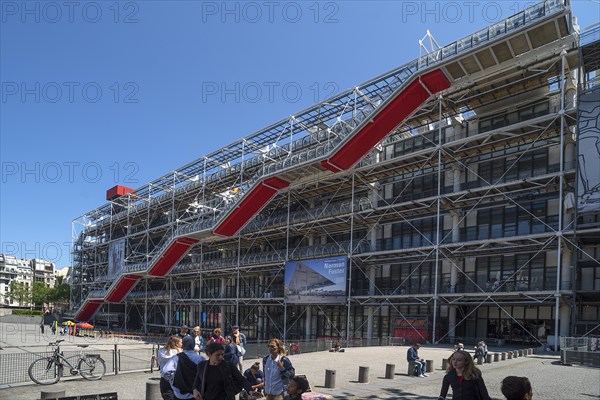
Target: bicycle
(49, 370)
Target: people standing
(199, 340)
(240, 340)
(216, 379)
(183, 331)
(481, 350)
(231, 352)
(215, 337)
(181, 370)
(278, 370)
(464, 378)
(516, 388)
(172, 347)
(412, 355)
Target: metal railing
(118, 358)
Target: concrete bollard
(496, 357)
(51, 394)
(390, 369)
(153, 389)
(520, 352)
(363, 374)
(445, 364)
(489, 359)
(429, 365)
(530, 351)
(480, 360)
(330, 378)
(503, 356)
(515, 354)
(510, 355)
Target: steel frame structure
(422, 196)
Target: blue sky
(100, 93)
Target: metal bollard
(510, 355)
(496, 357)
(503, 356)
(363, 374)
(153, 389)
(52, 394)
(488, 359)
(390, 369)
(330, 378)
(445, 364)
(429, 365)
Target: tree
(60, 294)
(19, 292)
(40, 294)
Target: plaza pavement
(549, 378)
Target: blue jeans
(422, 366)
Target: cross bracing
(354, 211)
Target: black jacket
(234, 381)
(469, 389)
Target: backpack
(184, 374)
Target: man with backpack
(180, 370)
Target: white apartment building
(26, 271)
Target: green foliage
(28, 313)
(19, 292)
(40, 294)
(60, 294)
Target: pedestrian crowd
(219, 375)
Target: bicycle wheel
(44, 371)
(92, 368)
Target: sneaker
(421, 376)
(425, 375)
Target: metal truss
(508, 70)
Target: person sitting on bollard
(459, 347)
(412, 356)
(516, 388)
(297, 386)
(464, 378)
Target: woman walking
(218, 380)
(464, 378)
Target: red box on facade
(117, 191)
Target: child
(297, 386)
(516, 388)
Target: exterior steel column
(557, 294)
(308, 324)
(438, 221)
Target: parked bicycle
(49, 370)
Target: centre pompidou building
(455, 196)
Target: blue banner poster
(321, 280)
